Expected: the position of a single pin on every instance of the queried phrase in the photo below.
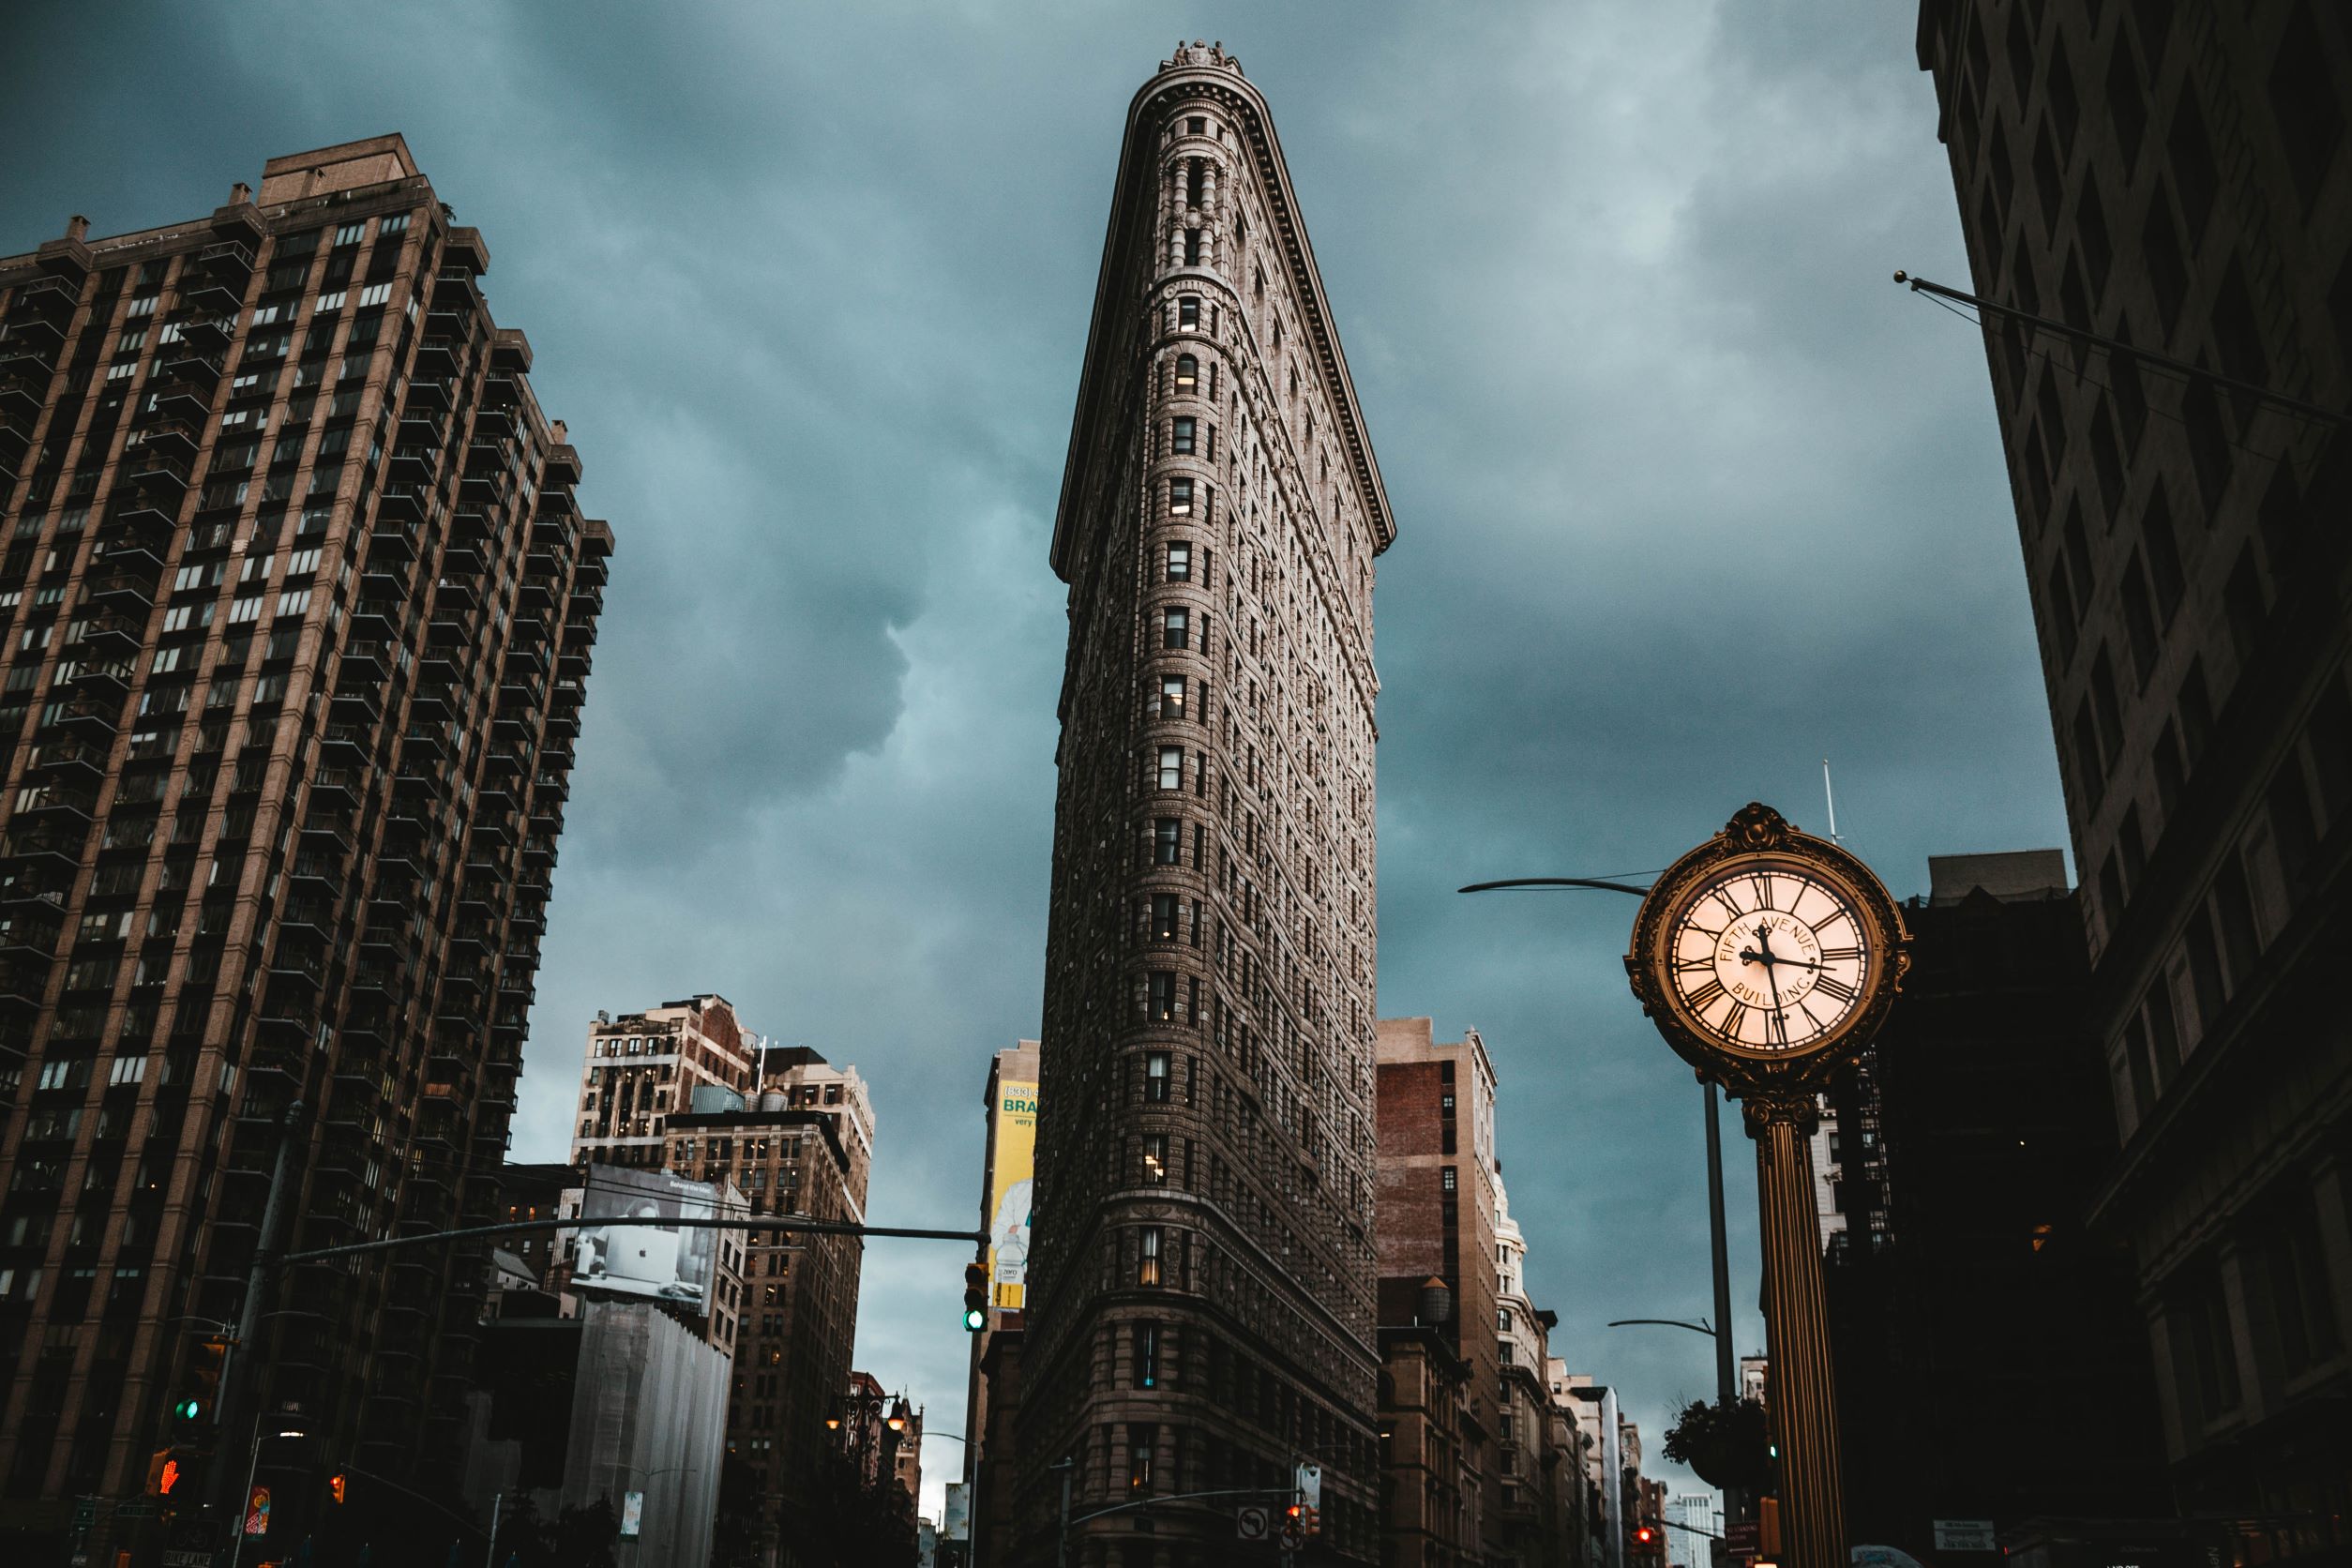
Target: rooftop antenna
(1830, 795)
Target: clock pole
(1703, 962)
(1803, 1402)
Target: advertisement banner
(955, 1522)
(1009, 1185)
(667, 1263)
(632, 1514)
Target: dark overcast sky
(1689, 496)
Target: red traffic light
(1645, 1535)
(334, 1484)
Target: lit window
(1148, 1255)
(1180, 553)
(1181, 437)
(1187, 372)
(1156, 1072)
(1176, 627)
(1170, 767)
(1180, 498)
(1147, 1360)
(1163, 929)
(1171, 697)
(1445, 1179)
(1140, 1440)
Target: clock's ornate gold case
(1759, 841)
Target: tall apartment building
(2173, 177)
(643, 1066)
(801, 1143)
(1208, 1021)
(299, 607)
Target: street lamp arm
(1183, 1497)
(1602, 884)
(1698, 1327)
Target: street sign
(1253, 1522)
(138, 1507)
(187, 1559)
(1310, 1484)
(1966, 1535)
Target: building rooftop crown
(1198, 53)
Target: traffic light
(975, 1297)
(334, 1484)
(1312, 1518)
(1644, 1535)
(198, 1408)
(1294, 1523)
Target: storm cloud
(1689, 496)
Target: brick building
(299, 608)
(1438, 1197)
(1200, 1306)
(2173, 179)
(802, 1143)
(643, 1065)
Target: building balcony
(393, 542)
(69, 760)
(29, 358)
(171, 438)
(191, 366)
(414, 464)
(47, 803)
(336, 788)
(494, 424)
(402, 502)
(23, 984)
(501, 392)
(29, 931)
(185, 403)
(455, 594)
(51, 299)
(427, 395)
(228, 260)
(22, 390)
(205, 332)
(216, 294)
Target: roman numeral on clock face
(1705, 997)
(1837, 988)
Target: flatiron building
(1200, 1314)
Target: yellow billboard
(1014, 1138)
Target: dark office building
(1201, 1294)
(2172, 177)
(1990, 1357)
(299, 608)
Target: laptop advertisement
(663, 1262)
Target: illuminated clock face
(1769, 958)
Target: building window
(1155, 1070)
(1147, 1269)
(1176, 627)
(1163, 917)
(1171, 697)
(1187, 372)
(1188, 308)
(1140, 1442)
(1147, 1356)
(1180, 439)
(1179, 552)
(1162, 994)
(1172, 767)
(1155, 1159)
(1503, 1320)
(1166, 841)
(1180, 498)
(1446, 1179)
(1191, 258)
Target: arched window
(1187, 372)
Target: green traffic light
(976, 1318)
(188, 1410)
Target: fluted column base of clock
(1804, 1394)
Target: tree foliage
(1726, 1446)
